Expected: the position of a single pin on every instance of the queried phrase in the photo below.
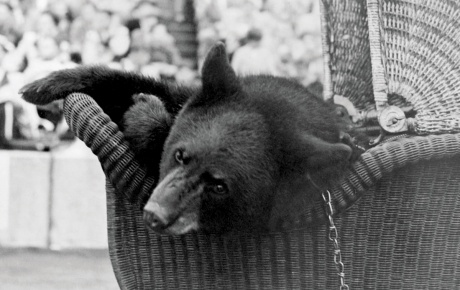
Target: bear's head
(218, 171)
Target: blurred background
(52, 201)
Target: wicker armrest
(384, 159)
(91, 125)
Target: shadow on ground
(25, 269)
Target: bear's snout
(156, 217)
(173, 207)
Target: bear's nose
(154, 221)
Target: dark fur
(260, 138)
(115, 92)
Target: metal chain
(333, 236)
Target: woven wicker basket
(403, 233)
(398, 208)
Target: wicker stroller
(398, 210)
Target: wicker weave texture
(103, 137)
(348, 70)
(403, 229)
(420, 43)
(413, 49)
(403, 234)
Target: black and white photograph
(229, 144)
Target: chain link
(334, 238)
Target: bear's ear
(327, 162)
(219, 78)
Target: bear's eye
(219, 188)
(181, 157)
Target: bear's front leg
(111, 89)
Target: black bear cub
(236, 154)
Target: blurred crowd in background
(269, 36)
(41, 36)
